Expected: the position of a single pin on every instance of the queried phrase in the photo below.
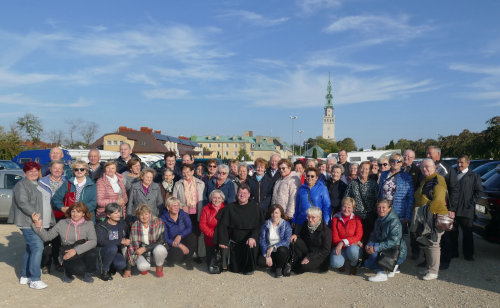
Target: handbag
(388, 259)
(215, 266)
(68, 200)
(443, 222)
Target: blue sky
(400, 69)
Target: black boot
(106, 275)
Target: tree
(315, 153)
(56, 136)
(347, 144)
(72, 126)
(32, 125)
(88, 131)
(373, 147)
(390, 146)
(9, 143)
(243, 154)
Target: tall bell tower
(329, 117)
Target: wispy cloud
(308, 7)
(302, 89)
(326, 58)
(376, 29)
(23, 100)
(253, 18)
(99, 28)
(485, 88)
(140, 78)
(165, 94)
(10, 79)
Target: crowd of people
(109, 217)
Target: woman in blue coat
(387, 233)
(83, 185)
(311, 193)
(274, 240)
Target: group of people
(309, 216)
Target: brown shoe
(342, 269)
(353, 270)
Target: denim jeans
(371, 262)
(32, 256)
(351, 253)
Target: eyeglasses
(384, 164)
(395, 160)
(311, 176)
(79, 169)
(212, 166)
(223, 173)
(283, 168)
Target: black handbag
(215, 266)
(388, 259)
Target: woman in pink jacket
(110, 188)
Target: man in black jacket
(410, 167)
(469, 191)
(343, 161)
(273, 167)
(450, 177)
(125, 155)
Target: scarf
(314, 227)
(191, 194)
(169, 187)
(79, 187)
(114, 183)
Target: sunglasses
(311, 176)
(212, 166)
(384, 164)
(79, 169)
(395, 161)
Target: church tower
(329, 117)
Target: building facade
(329, 117)
(229, 147)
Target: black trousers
(465, 224)
(301, 250)
(51, 252)
(279, 257)
(368, 225)
(447, 252)
(242, 258)
(196, 229)
(80, 264)
(175, 254)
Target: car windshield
(493, 183)
(6, 164)
(486, 167)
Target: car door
(7, 181)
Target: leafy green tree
(243, 154)
(390, 146)
(347, 144)
(31, 125)
(315, 153)
(9, 143)
(373, 147)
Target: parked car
(487, 220)
(489, 174)
(474, 163)
(8, 179)
(481, 170)
(8, 164)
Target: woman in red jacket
(208, 220)
(347, 232)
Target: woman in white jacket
(285, 189)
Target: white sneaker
(381, 276)
(38, 285)
(430, 276)
(393, 273)
(24, 280)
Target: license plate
(481, 208)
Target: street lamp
(293, 118)
(300, 138)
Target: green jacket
(388, 233)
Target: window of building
(121, 142)
(108, 142)
(227, 145)
(235, 153)
(115, 142)
(218, 145)
(235, 145)
(209, 145)
(251, 153)
(227, 153)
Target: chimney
(217, 137)
(122, 129)
(158, 132)
(146, 129)
(250, 133)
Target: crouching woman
(78, 241)
(146, 243)
(110, 238)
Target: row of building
(149, 141)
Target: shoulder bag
(68, 200)
(388, 259)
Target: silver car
(8, 178)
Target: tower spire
(329, 96)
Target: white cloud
(254, 18)
(485, 88)
(327, 59)
(301, 89)
(140, 78)
(9, 79)
(310, 6)
(165, 93)
(22, 100)
(378, 29)
(99, 28)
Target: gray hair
(427, 159)
(276, 154)
(55, 162)
(410, 151)
(436, 148)
(147, 170)
(243, 165)
(168, 169)
(313, 160)
(223, 166)
(353, 164)
(112, 208)
(127, 144)
(331, 159)
(338, 166)
(217, 191)
(314, 211)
